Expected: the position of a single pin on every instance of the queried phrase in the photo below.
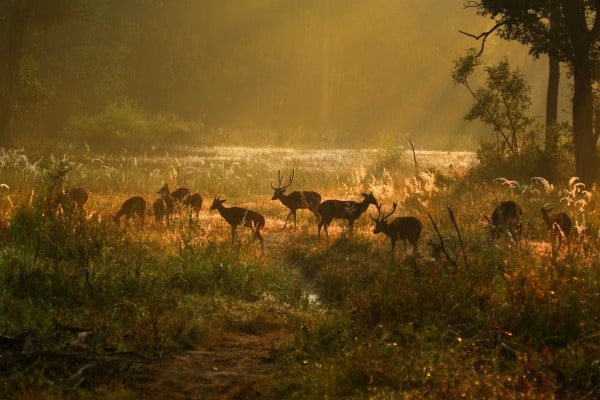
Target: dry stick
(462, 246)
(415, 159)
(453, 262)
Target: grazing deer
(135, 205)
(237, 216)
(178, 194)
(558, 224)
(341, 209)
(159, 207)
(507, 216)
(401, 228)
(194, 201)
(296, 200)
(79, 195)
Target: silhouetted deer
(79, 195)
(343, 209)
(508, 216)
(558, 224)
(296, 200)
(194, 201)
(159, 208)
(135, 205)
(237, 216)
(178, 194)
(168, 203)
(401, 228)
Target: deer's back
(242, 216)
(507, 213)
(303, 199)
(134, 204)
(407, 228)
(345, 209)
(180, 193)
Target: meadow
(89, 309)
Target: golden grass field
(101, 311)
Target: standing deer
(558, 224)
(168, 202)
(194, 201)
(159, 208)
(296, 200)
(135, 205)
(401, 228)
(237, 216)
(342, 209)
(507, 216)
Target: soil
(231, 369)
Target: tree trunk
(15, 17)
(584, 138)
(552, 105)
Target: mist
(361, 72)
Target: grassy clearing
(87, 303)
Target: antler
(280, 179)
(379, 217)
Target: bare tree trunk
(552, 105)
(325, 69)
(14, 17)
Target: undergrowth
(85, 304)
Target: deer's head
(164, 189)
(280, 189)
(381, 220)
(217, 202)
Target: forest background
(316, 73)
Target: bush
(127, 125)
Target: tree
(503, 103)
(568, 30)
(16, 18)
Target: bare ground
(233, 368)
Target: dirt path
(231, 369)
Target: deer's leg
(258, 236)
(287, 218)
(232, 234)
(293, 212)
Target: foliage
(87, 303)
(503, 104)
(127, 125)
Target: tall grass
(489, 323)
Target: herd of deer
(506, 217)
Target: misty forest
(316, 199)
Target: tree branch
(483, 35)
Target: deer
(401, 228)
(178, 194)
(135, 205)
(507, 216)
(237, 216)
(296, 200)
(343, 209)
(159, 210)
(558, 224)
(194, 201)
(169, 203)
(79, 195)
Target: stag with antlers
(237, 216)
(342, 209)
(296, 200)
(401, 228)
